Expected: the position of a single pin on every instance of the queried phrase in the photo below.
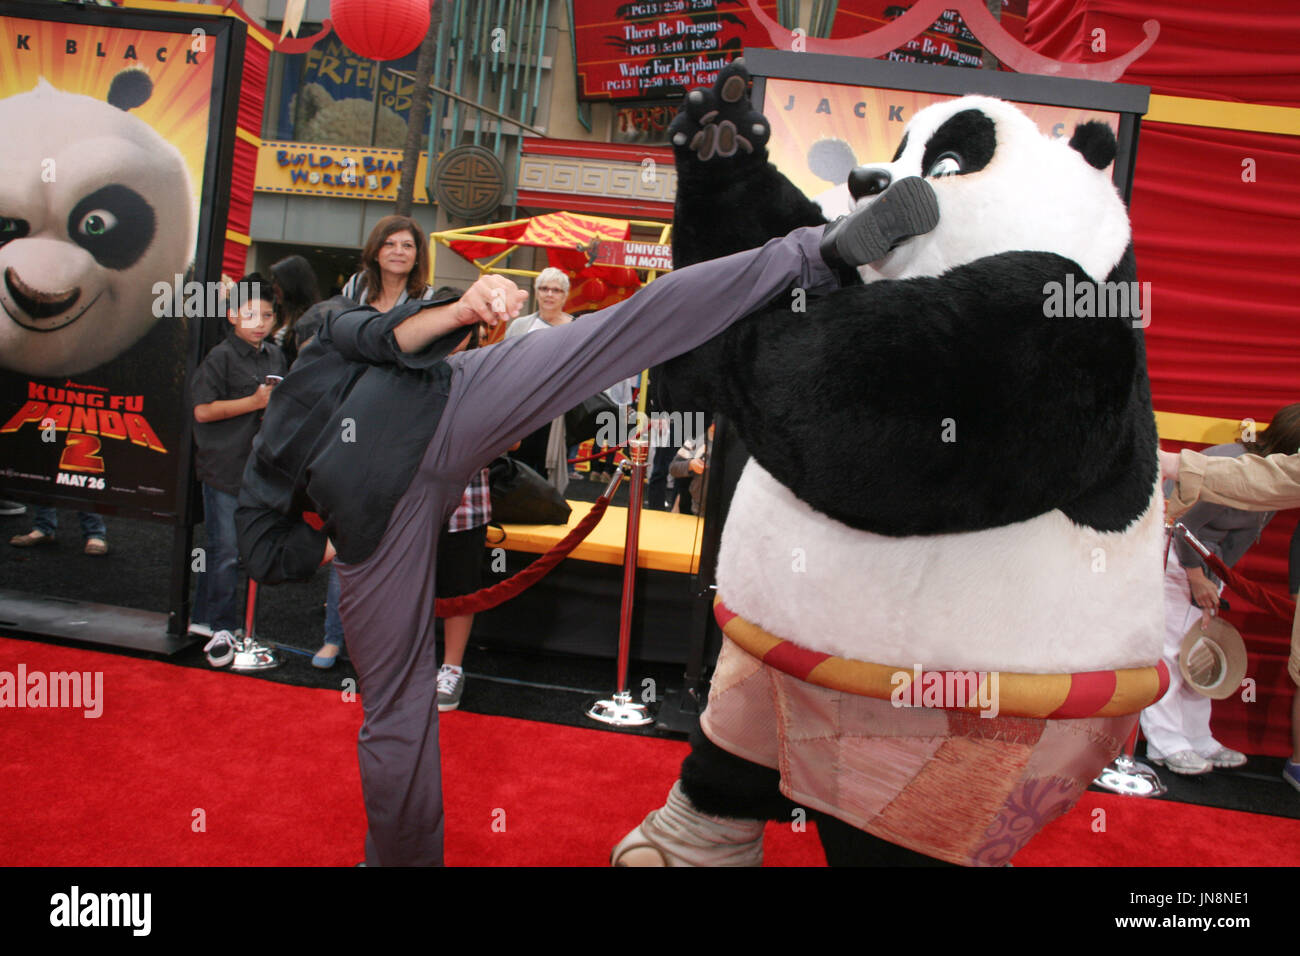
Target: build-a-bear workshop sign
(342, 172)
(106, 135)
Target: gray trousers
(498, 394)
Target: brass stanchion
(620, 710)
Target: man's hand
(1204, 595)
(696, 466)
(1169, 464)
(492, 299)
(329, 552)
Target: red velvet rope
(1278, 604)
(499, 593)
(600, 454)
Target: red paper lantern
(595, 290)
(624, 277)
(380, 29)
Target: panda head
(1002, 186)
(95, 207)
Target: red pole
(639, 452)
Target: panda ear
(130, 88)
(1095, 141)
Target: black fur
(970, 134)
(129, 89)
(1010, 378)
(1095, 142)
(729, 205)
(902, 145)
(115, 224)
(724, 785)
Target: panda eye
(115, 224)
(11, 229)
(948, 164)
(96, 223)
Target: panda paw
(721, 124)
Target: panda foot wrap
(678, 834)
(906, 209)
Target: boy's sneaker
(221, 649)
(451, 685)
(200, 630)
(1291, 773)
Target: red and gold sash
(1051, 696)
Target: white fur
(1024, 598)
(91, 144)
(1036, 194)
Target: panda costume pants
(496, 395)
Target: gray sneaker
(451, 685)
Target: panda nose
(868, 181)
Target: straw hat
(1213, 661)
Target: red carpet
(189, 768)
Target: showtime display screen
(652, 49)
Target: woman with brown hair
(394, 265)
(394, 269)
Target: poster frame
(227, 36)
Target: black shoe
(906, 209)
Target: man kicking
(391, 462)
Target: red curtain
(1222, 254)
(252, 93)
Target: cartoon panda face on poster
(95, 207)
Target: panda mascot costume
(940, 574)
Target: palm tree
(419, 110)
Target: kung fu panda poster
(108, 206)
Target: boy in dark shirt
(230, 389)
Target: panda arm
(716, 214)
(729, 197)
(942, 404)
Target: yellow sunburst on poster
(83, 59)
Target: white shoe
(1186, 762)
(200, 630)
(221, 649)
(1225, 758)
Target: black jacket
(342, 436)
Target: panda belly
(1039, 596)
